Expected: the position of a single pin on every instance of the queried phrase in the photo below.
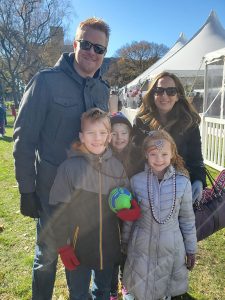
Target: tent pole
(203, 125)
(195, 78)
(223, 92)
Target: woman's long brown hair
(183, 114)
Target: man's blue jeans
(45, 261)
(79, 280)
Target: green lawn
(17, 237)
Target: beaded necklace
(150, 197)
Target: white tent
(188, 59)
(213, 117)
(214, 56)
(214, 100)
(182, 40)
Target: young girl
(162, 243)
(121, 143)
(122, 150)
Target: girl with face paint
(161, 244)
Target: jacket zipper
(100, 214)
(75, 237)
(120, 236)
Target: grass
(17, 238)
(17, 234)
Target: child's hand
(130, 214)
(190, 261)
(68, 257)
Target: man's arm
(31, 117)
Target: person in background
(113, 101)
(2, 120)
(4, 106)
(48, 122)
(161, 244)
(120, 105)
(198, 102)
(165, 106)
(13, 111)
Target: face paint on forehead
(158, 144)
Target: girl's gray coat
(155, 265)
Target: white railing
(213, 142)
(213, 139)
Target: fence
(213, 142)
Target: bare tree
(132, 60)
(24, 34)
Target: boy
(85, 229)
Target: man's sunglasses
(86, 45)
(170, 91)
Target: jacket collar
(90, 156)
(167, 175)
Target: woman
(165, 106)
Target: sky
(157, 21)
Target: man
(48, 121)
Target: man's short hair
(94, 23)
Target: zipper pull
(100, 160)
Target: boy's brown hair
(176, 161)
(93, 115)
(96, 114)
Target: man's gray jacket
(49, 121)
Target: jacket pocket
(64, 102)
(65, 107)
(63, 122)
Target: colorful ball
(119, 198)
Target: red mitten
(130, 214)
(190, 261)
(68, 257)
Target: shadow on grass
(9, 125)
(184, 297)
(7, 139)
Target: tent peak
(213, 18)
(213, 23)
(182, 38)
(213, 14)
